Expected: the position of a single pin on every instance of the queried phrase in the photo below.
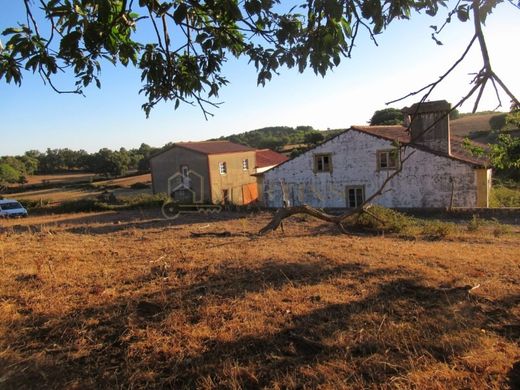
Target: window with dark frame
(355, 196)
(322, 163)
(387, 159)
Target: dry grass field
(471, 123)
(127, 181)
(129, 300)
(71, 178)
(60, 178)
(62, 193)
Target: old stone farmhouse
(348, 168)
(211, 171)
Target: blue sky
(34, 117)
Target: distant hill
(480, 126)
(469, 123)
(277, 137)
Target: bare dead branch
(481, 90)
(506, 90)
(434, 84)
(287, 212)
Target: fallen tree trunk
(287, 212)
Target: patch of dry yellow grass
(113, 300)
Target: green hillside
(277, 137)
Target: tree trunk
(287, 212)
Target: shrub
(502, 196)
(474, 224)
(500, 229)
(92, 204)
(381, 219)
(143, 201)
(139, 186)
(32, 204)
(438, 229)
(80, 205)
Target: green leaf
(180, 13)
(463, 13)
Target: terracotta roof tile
(401, 134)
(267, 158)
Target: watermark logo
(187, 196)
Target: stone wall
(427, 180)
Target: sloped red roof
(214, 147)
(402, 135)
(267, 158)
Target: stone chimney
(430, 125)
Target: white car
(11, 208)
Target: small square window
(387, 159)
(222, 167)
(323, 163)
(245, 164)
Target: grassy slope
(477, 127)
(123, 300)
(471, 123)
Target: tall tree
(193, 39)
(387, 116)
(109, 163)
(8, 174)
(313, 138)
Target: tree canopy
(181, 46)
(107, 162)
(387, 116)
(278, 136)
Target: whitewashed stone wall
(425, 181)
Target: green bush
(381, 219)
(92, 204)
(31, 204)
(474, 224)
(79, 205)
(143, 201)
(438, 229)
(500, 229)
(502, 196)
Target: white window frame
(245, 164)
(222, 167)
